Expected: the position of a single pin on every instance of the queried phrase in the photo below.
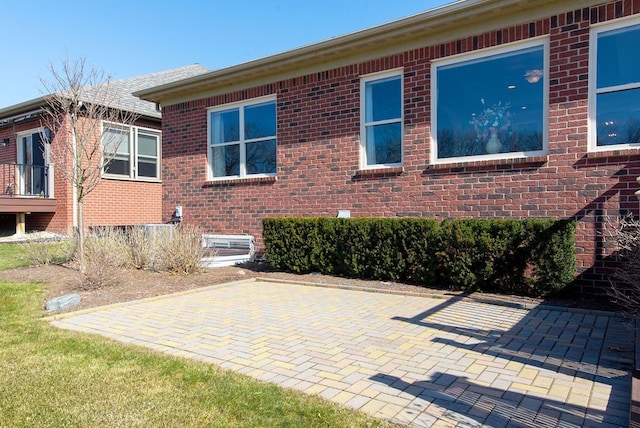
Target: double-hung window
(381, 119)
(131, 152)
(242, 139)
(614, 85)
(490, 103)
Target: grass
(57, 378)
(12, 256)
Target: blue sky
(128, 38)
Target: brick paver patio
(414, 360)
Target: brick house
(480, 108)
(34, 197)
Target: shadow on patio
(564, 365)
(457, 399)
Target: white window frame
(542, 41)
(134, 155)
(20, 182)
(28, 133)
(399, 73)
(596, 29)
(241, 105)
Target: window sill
(489, 163)
(125, 178)
(379, 172)
(626, 151)
(245, 180)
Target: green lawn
(57, 378)
(12, 256)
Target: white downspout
(73, 185)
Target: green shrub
(531, 256)
(418, 242)
(292, 243)
(553, 254)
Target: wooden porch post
(20, 224)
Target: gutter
(456, 20)
(21, 117)
(9, 114)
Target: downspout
(74, 193)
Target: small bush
(106, 254)
(141, 248)
(49, 252)
(178, 250)
(108, 250)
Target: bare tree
(80, 100)
(624, 234)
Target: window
(242, 140)
(490, 104)
(31, 177)
(134, 152)
(381, 112)
(614, 85)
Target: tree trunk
(81, 260)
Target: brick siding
(319, 150)
(112, 202)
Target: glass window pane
(147, 168)
(261, 157)
(117, 166)
(384, 144)
(383, 99)
(116, 140)
(499, 97)
(260, 121)
(147, 145)
(618, 118)
(618, 61)
(226, 160)
(225, 126)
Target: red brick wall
(112, 202)
(318, 151)
(120, 202)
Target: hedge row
(528, 257)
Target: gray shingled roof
(124, 88)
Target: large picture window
(490, 104)
(381, 112)
(615, 85)
(133, 152)
(242, 140)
